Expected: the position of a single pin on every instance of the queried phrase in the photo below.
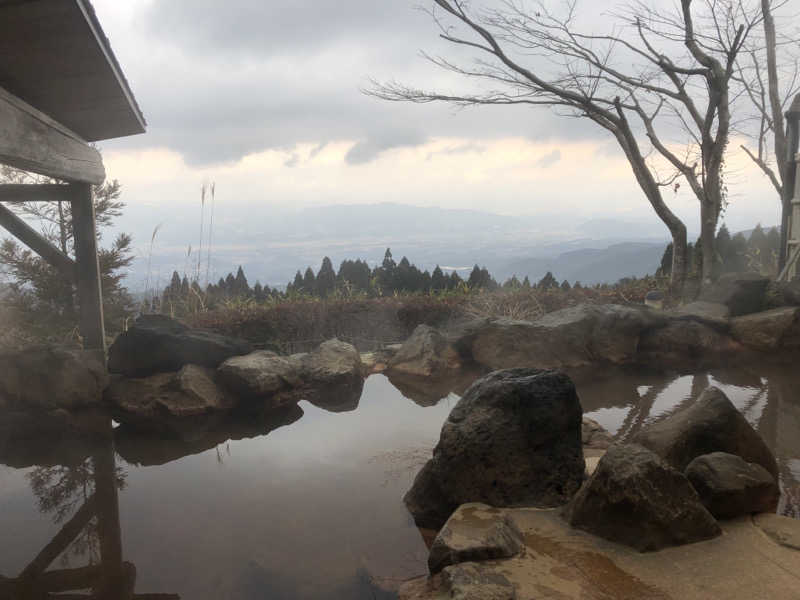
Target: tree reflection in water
(83, 499)
(60, 491)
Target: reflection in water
(83, 500)
(301, 503)
(304, 502)
(767, 396)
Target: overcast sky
(263, 98)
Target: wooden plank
(39, 192)
(90, 295)
(31, 238)
(32, 141)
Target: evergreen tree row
(757, 253)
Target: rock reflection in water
(148, 449)
(625, 401)
(428, 391)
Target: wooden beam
(32, 141)
(34, 192)
(31, 238)
(90, 294)
(60, 542)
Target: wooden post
(90, 294)
(790, 225)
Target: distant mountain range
(593, 265)
(272, 245)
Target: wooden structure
(792, 194)
(60, 88)
(112, 577)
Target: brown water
(307, 505)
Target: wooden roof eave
(33, 141)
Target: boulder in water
(711, 424)
(426, 353)
(157, 343)
(635, 498)
(730, 486)
(50, 378)
(514, 438)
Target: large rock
(711, 424)
(331, 362)
(742, 293)
(331, 375)
(49, 378)
(426, 353)
(156, 343)
(769, 330)
(729, 486)
(190, 392)
(788, 292)
(572, 337)
(261, 374)
(713, 314)
(514, 438)
(594, 435)
(474, 532)
(635, 498)
(685, 341)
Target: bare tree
(660, 83)
(769, 71)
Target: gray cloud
(367, 150)
(549, 159)
(220, 80)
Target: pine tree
(38, 291)
(241, 288)
(326, 278)
(438, 280)
(548, 282)
(309, 282)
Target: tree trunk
(679, 259)
(708, 229)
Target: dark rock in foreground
(156, 343)
(474, 532)
(742, 293)
(513, 439)
(50, 378)
(635, 498)
(711, 424)
(729, 486)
